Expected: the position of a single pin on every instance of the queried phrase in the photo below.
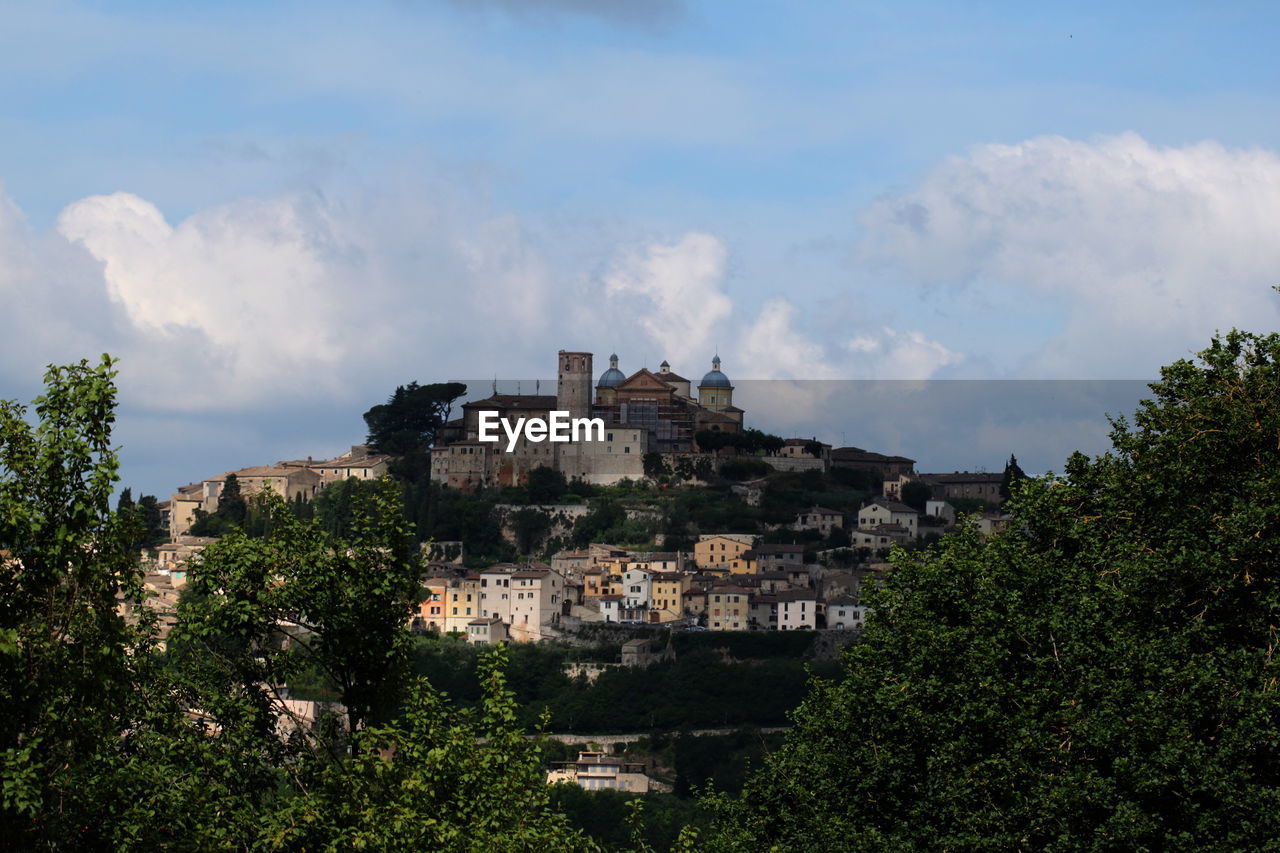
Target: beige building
(728, 608)
(820, 519)
(462, 603)
(487, 631)
(720, 549)
(359, 462)
(642, 413)
(537, 601)
(595, 771)
(289, 483)
(958, 484)
(666, 596)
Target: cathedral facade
(642, 413)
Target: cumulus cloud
(891, 354)
(273, 301)
(674, 292)
(1146, 250)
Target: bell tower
(573, 384)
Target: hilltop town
(723, 528)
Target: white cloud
(674, 293)
(891, 354)
(276, 301)
(1148, 250)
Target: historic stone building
(642, 413)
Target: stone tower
(573, 384)
(715, 392)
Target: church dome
(715, 379)
(612, 376)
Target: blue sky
(276, 213)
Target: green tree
(232, 506)
(153, 531)
(1013, 474)
(531, 527)
(916, 493)
(65, 649)
(435, 779)
(1100, 677)
(340, 605)
(406, 425)
(546, 485)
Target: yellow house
(747, 563)
(720, 550)
(666, 596)
(462, 604)
(728, 608)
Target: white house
(885, 511)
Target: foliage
(406, 425)
(1013, 475)
(546, 485)
(339, 604)
(744, 469)
(748, 441)
(64, 646)
(916, 494)
(437, 778)
(762, 679)
(1099, 677)
(531, 527)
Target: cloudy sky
(274, 213)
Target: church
(643, 413)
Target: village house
(881, 511)
(635, 587)
(462, 603)
(773, 557)
(762, 612)
(958, 484)
(610, 607)
(820, 519)
(359, 463)
(595, 771)
(728, 608)
(797, 610)
(882, 467)
(495, 591)
(844, 613)
(487, 631)
(666, 596)
(993, 522)
(720, 549)
(429, 615)
(536, 604)
(876, 541)
(940, 509)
